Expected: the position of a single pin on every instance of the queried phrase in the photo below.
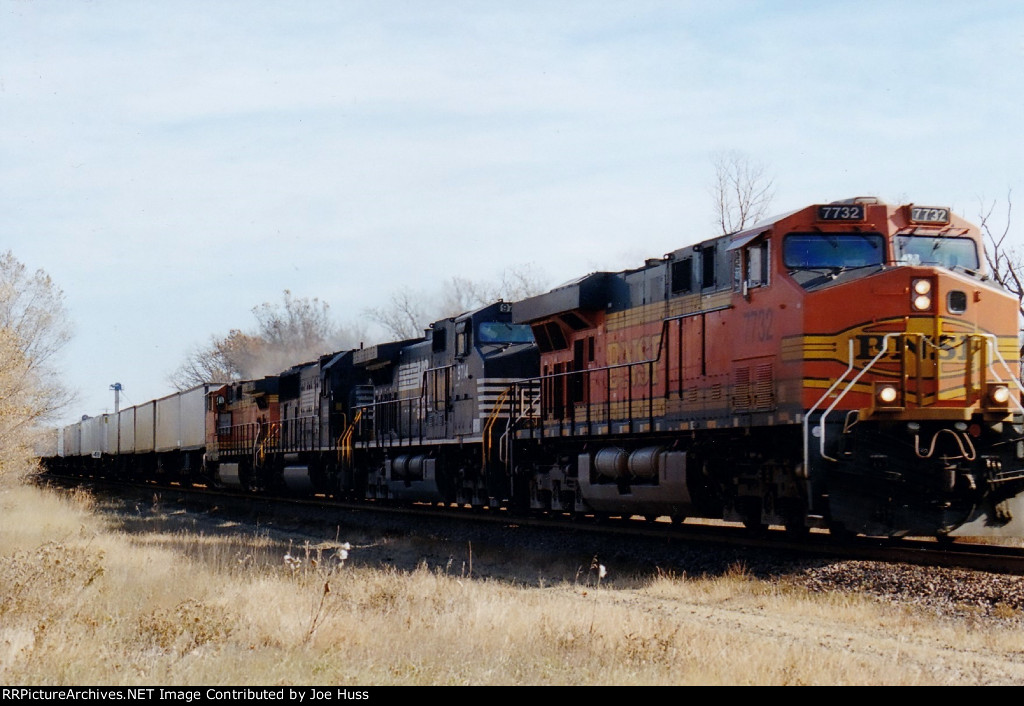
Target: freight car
(160, 438)
(847, 365)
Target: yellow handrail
(260, 452)
(489, 427)
(346, 447)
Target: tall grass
(84, 604)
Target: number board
(841, 212)
(928, 214)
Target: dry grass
(82, 604)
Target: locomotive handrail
(503, 440)
(393, 436)
(488, 430)
(993, 341)
(447, 392)
(344, 428)
(589, 373)
(883, 349)
(416, 421)
(297, 433)
(991, 344)
(235, 439)
(992, 347)
(347, 445)
(814, 407)
(527, 399)
(259, 448)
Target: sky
(172, 165)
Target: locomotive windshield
(833, 250)
(495, 332)
(933, 250)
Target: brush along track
(985, 581)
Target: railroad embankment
(146, 594)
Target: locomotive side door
(691, 355)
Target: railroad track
(432, 520)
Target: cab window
(497, 332)
(756, 262)
(832, 250)
(934, 250)
(463, 338)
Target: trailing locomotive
(846, 365)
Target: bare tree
(223, 359)
(404, 317)
(742, 191)
(461, 294)
(409, 313)
(1004, 262)
(521, 282)
(303, 324)
(34, 328)
(294, 331)
(300, 329)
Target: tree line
(34, 327)
(299, 329)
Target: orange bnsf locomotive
(847, 366)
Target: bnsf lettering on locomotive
(948, 347)
(636, 351)
(631, 351)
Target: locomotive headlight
(887, 394)
(921, 298)
(998, 395)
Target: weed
(597, 570)
(189, 625)
(54, 567)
